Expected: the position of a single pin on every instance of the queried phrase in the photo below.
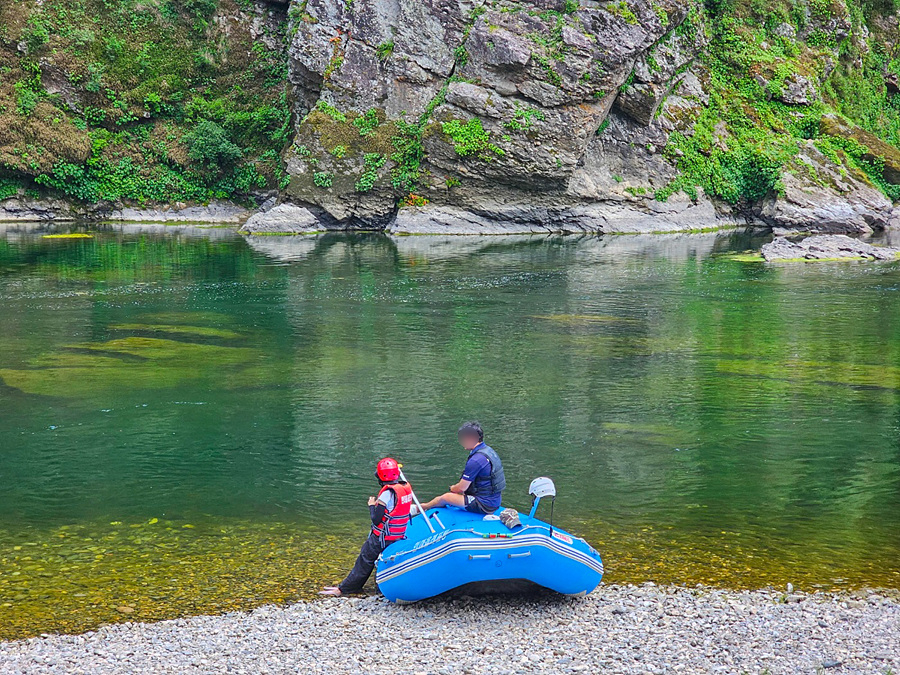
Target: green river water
(189, 420)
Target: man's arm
(460, 487)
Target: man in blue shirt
(478, 489)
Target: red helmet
(387, 470)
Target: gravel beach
(617, 629)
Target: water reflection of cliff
(434, 248)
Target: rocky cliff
(497, 115)
(469, 115)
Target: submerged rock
(826, 247)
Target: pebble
(617, 629)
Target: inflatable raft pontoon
(450, 548)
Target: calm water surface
(189, 420)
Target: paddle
(416, 500)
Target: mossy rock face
(826, 192)
(537, 79)
(341, 162)
(106, 101)
(875, 148)
(112, 101)
(356, 132)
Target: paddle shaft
(416, 502)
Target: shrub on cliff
(143, 101)
(209, 145)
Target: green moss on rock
(114, 100)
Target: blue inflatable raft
(456, 548)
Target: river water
(189, 420)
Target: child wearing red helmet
(390, 513)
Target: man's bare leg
(446, 499)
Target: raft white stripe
(391, 574)
(456, 543)
(494, 544)
(452, 546)
(498, 544)
(479, 540)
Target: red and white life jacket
(393, 525)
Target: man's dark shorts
(474, 505)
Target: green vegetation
(336, 61)
(623, 11)
(408, 151)
(413, 199)
(157, 102)
(550, 42)
(384, 50)
(9, 187)
(523, 118)
(331, 111)
(746, 137)
(661, 14)
(838, 148)
(367, 122)
(323, 179)
(460, 55)
(371, 163)
(407, 156)
(208, 143)
(471, 140)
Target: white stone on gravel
(662, 630)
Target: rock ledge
(826, 247)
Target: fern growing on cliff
(471, 140)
